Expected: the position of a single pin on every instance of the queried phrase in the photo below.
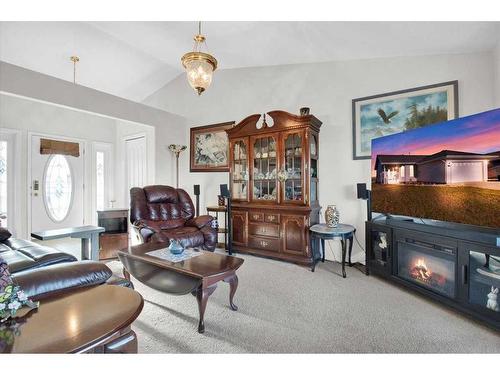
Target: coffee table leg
(324, 250)
(202, 295)
(233, 285)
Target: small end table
(323, 232)
(220, 230)
(89, 234)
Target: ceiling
(134, 59)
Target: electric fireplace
(452, 264)
(426, 265)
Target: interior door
(6, 181)
(57, 189)
(135, 150)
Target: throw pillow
(5, 278)
(4, 234)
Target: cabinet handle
(271, 217)
(464, 274)
(263, 243)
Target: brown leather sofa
(160, 213)
(44, 272)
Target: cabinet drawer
(271, 230)
(262, 243)
(272, 218)
(256, 216)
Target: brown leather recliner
(160, 213)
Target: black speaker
(224, 191)
(197, 194)
(362, 192)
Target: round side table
(321, 232)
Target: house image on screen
(494, 167)
(444, 167)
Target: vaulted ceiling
(134, 59)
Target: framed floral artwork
(395, 112)
(209, 148)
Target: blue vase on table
(175, 247)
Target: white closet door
(136, 162)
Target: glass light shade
(199, 74)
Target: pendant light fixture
(200, 66)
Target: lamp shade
(199, 67)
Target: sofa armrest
(200, 221)
(45, 282)
(146, 228)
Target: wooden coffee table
(198, 275)
(79, 321)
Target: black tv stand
(454, 264)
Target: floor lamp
(177, 149)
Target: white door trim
(14, 136)
(86, 167)
(108, 149)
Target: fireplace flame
(420, 270)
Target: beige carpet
(284, 308)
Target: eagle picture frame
(397, 111)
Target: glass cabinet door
(240, 174)
(265, 168)
(484, 280)
(293, 166)
(313, 151)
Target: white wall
(327, 88)
(496, 62)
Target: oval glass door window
(58, 188)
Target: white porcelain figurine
(492, 303)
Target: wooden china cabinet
(274, 185)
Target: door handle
(464, 274)
(36, 187)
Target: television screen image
(448, 171)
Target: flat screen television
(448, 171)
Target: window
(99, 161)
(102, 177)
(402, 171)
(412, 171)
(58, 188)
(3, 183)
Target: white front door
(136, 162)
(57, 189)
